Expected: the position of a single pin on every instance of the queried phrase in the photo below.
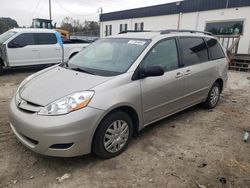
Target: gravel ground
(195, 148)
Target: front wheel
(213, 96)
(113, 135)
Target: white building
(221, 17)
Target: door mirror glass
(152, 71)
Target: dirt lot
(195, 148)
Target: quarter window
(215, 49)
(24, 39)
(163, 54)
(193, 50)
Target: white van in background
(23, 47)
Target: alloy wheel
(116, 136)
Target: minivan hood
(57, 83)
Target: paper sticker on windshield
(137, 42)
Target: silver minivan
(114, 88)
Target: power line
(37, 5)
(72, 12)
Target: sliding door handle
(178, 75)
(188, 72)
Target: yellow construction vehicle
(44, 23)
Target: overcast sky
(24, 10)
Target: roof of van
(33, 30)
(153, 34)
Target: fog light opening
(61, 146)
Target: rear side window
(215, 49)
(45, 38)
(24, 39)
(193, 50)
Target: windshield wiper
(81, 70)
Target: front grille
(33, 104)
(27, 106)
(25, 110)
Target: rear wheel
(213, 96)
(113, 135)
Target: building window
(139, 26)
(225, 27)
(123, 27)
(108, 30)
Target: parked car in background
(24, 47)
(114, 88)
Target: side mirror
(152, 71)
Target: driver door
(162, 95)
(22, 50)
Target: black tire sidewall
(208, 103)
(1, 69)
(98, 145)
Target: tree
(71, 25)
(6, 24)
(91, 25)
(67, 24)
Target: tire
(213, 96)
(106, 134)
(1, 69)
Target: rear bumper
(73, 131)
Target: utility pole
(50, 16)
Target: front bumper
(74, 130)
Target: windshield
(108, 57)
(5, 36)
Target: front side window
(193, 50)
(215, 49)
(45, 38)
(24, 39)
(163, 54)
(109, 57)
(225, 27)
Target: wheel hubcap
(116, 136)
(214, 96)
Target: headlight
(68, 104)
